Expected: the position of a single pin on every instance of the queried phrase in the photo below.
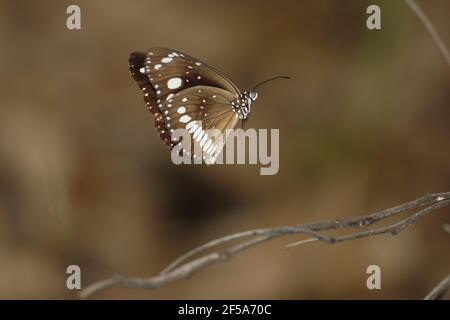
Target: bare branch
(439, 291)
(393, 228)
(427, 23)
(181, 268)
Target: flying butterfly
(183, 92)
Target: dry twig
(440, 290)
(427, 23)
(181, 268)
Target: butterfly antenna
(265, 81)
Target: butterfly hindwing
(198, 109)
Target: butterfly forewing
(171, 71)
(136, 64)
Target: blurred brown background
(84, 178)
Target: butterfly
(183, 92)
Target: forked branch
(186, 265)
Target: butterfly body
(242, 105)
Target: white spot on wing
(192, 126)
(181, 110)
(166, 60)
(200, 136)
(158, 66)
(205, 137)
(174, 83)
(197, 132)
(185, 119)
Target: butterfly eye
(253, 95)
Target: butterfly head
(252, 95)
